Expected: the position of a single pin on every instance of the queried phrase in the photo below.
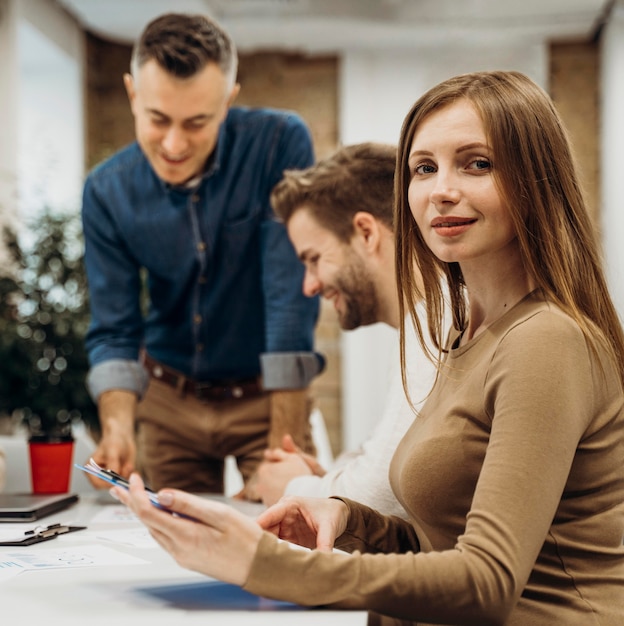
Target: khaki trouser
(182, 442)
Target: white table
(151, 592)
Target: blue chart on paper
(215, 596)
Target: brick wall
(109, 122)
(575, 89)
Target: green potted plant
(43, 319)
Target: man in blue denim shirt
(201, 340)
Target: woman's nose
(446, 188)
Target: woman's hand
(218, 541)
(309, 522)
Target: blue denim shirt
(224, 284)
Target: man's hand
(280, 466)
(272, 477)
(116, 449)
(268, 482)
(288, 445)
(249, 491)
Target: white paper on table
(135, 537)
(9, 568)
(114, 514)
(75, 556)
(16, 531)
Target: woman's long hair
(538, 182)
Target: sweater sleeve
(370, 531)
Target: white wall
(377, 89)
(50, 119)
(8, 105)
(612, 153)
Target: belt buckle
(200, 390)
(211, 391)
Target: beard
(359, 296)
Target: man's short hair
(184, 44)
(355, 178)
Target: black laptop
(28, 507)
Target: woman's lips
(451, 226)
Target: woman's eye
(479, 164)
(424, 168)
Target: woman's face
(452, 193)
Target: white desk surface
(128, 594)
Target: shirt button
(201, 280)
(199, 347)
(201, 246)
(197, 319)
(195, 198)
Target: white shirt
(362, 475)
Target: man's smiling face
(334, 270)
(177, 120)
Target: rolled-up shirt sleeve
(290, 370)
(121, 374)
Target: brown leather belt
(205, 391)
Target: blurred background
(351, 68)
